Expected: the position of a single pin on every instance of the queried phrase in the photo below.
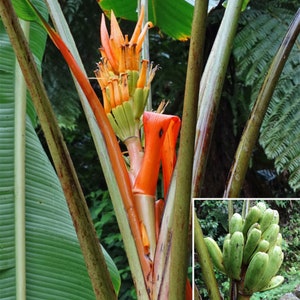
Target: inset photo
(246, 249)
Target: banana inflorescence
(252, 253)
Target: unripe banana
(262, 206)
(127, 106)
(115, 126)
(252, 217)
(236, 246)
(266, 219)
(226, 253)
(274, 282)
(138, 103)
(235, 223)
(255, 270)
(279, 239)
(271, 234)
(253, 239)
(215, 253)
(255, 225)
(275, 217)
(227, 237)
(275, 260)
(124, 125)
(263, 246)
(146, 94)
(132, 80)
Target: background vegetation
(241, 87)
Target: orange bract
(156, 128)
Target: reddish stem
(136, 154)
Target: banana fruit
(252, 217)
(274, 282)
(215, 253)
(251, 254)
(235, 223)
(254, 272)
(253, 239)
(236, 248)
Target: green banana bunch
(252, 253)
(263, 255)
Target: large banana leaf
(173, 18)
(55, 267)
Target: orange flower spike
(143, 74)
(122, 60)
(106, 104)
(106, 45)
(116, 40)
(141, 38)
(138, 28)
(116, 92)
(155, 128)
(169, 152)
(110, 94)
(102, 76)
(124, 87)
(115, 32)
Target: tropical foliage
(253, 53)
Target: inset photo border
(255, 257)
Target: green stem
(94, 258)
(251, 131)
(176, 216)
(211, 89)
(19, 157)
(205, 262)
(180, 233)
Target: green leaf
(7, 59)
(174, 18)
(54, 262)
(25, 11)
(55, 267)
